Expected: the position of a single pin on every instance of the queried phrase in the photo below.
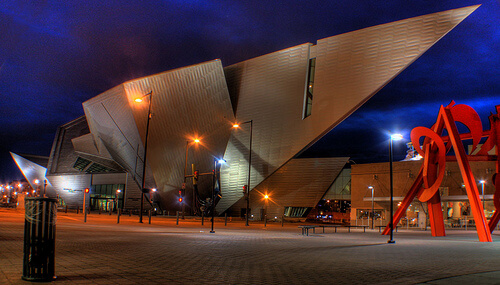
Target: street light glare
(221, 161)
(138, 100)
(266, 196)
(482, 181)
(196, 140)
(396, 137)
(236, 126)
(370, 187)
(37, 181)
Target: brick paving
(103, 252)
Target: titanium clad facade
(63, 156)
(270, 91)
(114, 131)
(301, 182)
(349, 69)
(32, 171)
(352, 67)
(187, 103)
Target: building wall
(404, 174)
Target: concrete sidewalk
(103, 252)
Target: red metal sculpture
(434, 149)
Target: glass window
(310, 86)
(81, 163)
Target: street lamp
(195, 141)
(37, 186)
(249, 168)
(118, 191)
(373, 210)
(482, 187)
(139, 100)
(266, 198)
(214, 180)
(394, 137)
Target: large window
(310, 86)
(296, 212)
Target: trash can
(39, 239)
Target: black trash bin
(39, 239)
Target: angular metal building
(284, 102)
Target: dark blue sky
(56, 54)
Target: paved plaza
(103, 252)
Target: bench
(354, 226)
(306, 228)
(329, 226)
(383, 227)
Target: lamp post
(214, 180)
(195, 141)
(394, 137)
(482, 188)
(249, 168)
(373, 210)
(118, 191)
(37, 182)
(266, 197)
(139, 100)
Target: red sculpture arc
(434, 151)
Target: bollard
(202, 218)
(129, 213)
(99, 210)
(149, 214)
(118, 216)
(66, 210)
(39, 239)
(177, 213)
(225, 220)
(110, 211)
(85, 216)
(282, 220)
(78, 209)
(265, 220)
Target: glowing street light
(394, 137)
(373, 209)
(188, 144)
(482, 187)
(247, 194)
(214, 180)
(139, 100)
(266, 198)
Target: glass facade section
(104, 197)
(81, 163)
(341, 187)
(296, 212)
(310, 86)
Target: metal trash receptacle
(39, 239)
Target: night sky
(56, 54)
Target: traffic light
(181, 195)
(86, 190)
(244, 189)
(195, 177)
